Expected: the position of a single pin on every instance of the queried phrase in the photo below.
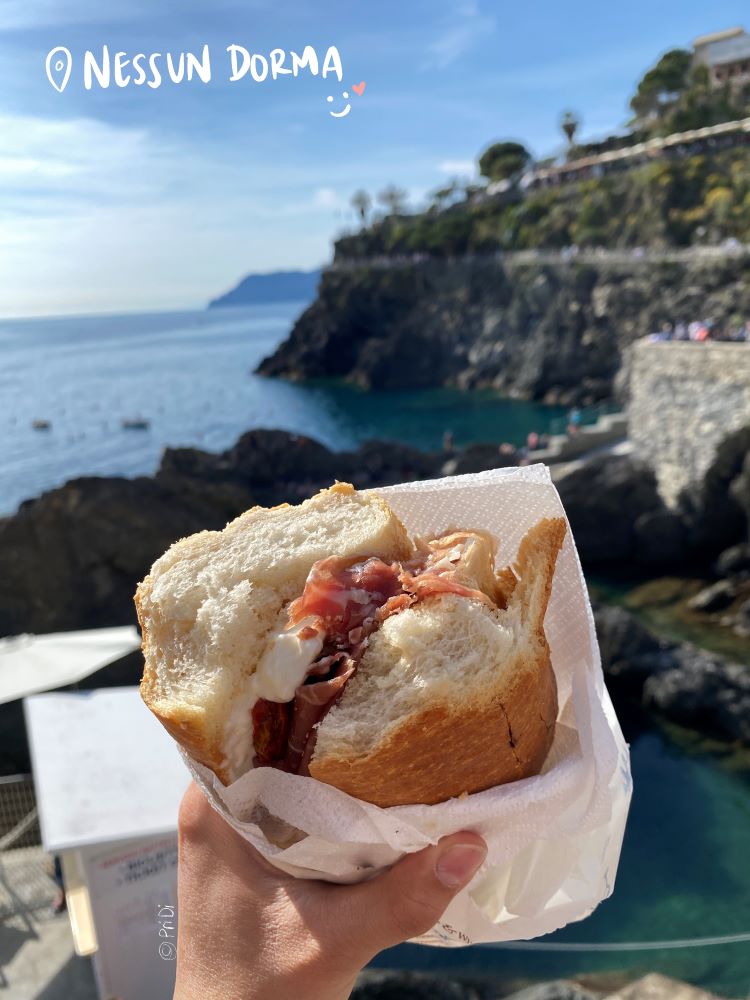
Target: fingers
(192, 815)
(410, 898)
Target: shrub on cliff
(700, 199)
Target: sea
(681, 902)
(189, 377)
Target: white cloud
(465, 25)
(328, 198)
(73, 158)
(457, 168)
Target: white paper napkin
(554, 839)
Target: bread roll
(453, 694)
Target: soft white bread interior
(451, 696)
(210, 603)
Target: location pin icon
(59, 64)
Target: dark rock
(603, 500)
(734, 561)
(276, 464)
(741, 621)
(660, 538)
(376, 985)
(717, 513)
(630, 653)
(739, 488)
(383, 463)
(265, 457)
(714, 598)
(453, 323)
(72, 558)
(686, 685)
(703, 692)
(478, 458)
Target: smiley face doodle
(359, 88)
(347, 109)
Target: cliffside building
(726, 54)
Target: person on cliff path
(247, 931)
(574, 421)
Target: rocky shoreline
(71, 558)
(373, 984)
(557, 333)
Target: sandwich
(320, 639)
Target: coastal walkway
(635, 258)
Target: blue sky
(141, 198)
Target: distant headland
(276, 286)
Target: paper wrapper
(554, 839)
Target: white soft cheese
(284, 664)
(280, 671)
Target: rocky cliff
(549, 329)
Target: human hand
(247, 931)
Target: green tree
(503, 160)
(393, 198)
(443, 196)
(719, 203)
(361, 202)
(662, 85)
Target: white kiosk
(109, 780)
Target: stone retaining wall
(684, 399)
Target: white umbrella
(30, 663)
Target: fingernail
(457, 865)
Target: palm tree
(361, 202)
(570, 123)
(393, 198)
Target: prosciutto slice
(348, 598)
(311, 703)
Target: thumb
(410, 898)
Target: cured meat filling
(347, 599)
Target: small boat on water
(135, 424)
(41, 425)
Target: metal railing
(26, 882)
(19, 823)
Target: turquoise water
(189, 375)
(684, 874)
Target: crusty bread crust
(501, 734)
(443, 752)
(185, 724)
